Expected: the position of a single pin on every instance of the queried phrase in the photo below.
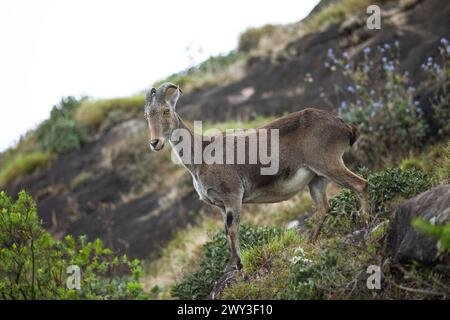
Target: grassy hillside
(90, 172)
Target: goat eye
(166, 111)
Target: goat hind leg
(339, 173)
(317, 189)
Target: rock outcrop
(404, 242)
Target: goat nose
(154, 143)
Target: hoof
(365, 218)
(234, 266)
(222, 283)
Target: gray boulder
(404, 242)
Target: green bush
(380, 98)
(306, 274)
(215, 256)
(33, 265)
(384, 187)
(61, 132)
(209, 72)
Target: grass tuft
(93, 112)
(21, 165)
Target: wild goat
(311, 145)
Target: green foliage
(33, 265)
(61, 132)
(389, 184)
(250, 38)
(218, 63)
(21, 165)
(384, 187)
(215, 256)
(209, 72)
(440, 232)
(412, 163)
(307, 274)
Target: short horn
(161, 92)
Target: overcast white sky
(50, 49)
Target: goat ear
(149, 95)
(172, 95)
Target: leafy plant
(379, 98)
(384, 187)
(33, 265)
(307, 274)
(61, 132)
(214, 70)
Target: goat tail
(353, 133)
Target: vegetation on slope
(34, 266)
(285, 266)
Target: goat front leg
(232, 217)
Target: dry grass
(93, 112)
(337, 11)
(180, 256)
(21, 165)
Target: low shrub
(61, 132)
(306, 274)
(214, 70)
(34, 266)
(384, 187)
(380, 99)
